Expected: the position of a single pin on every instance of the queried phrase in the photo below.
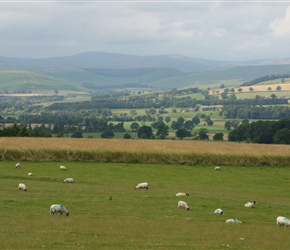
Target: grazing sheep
(217, 168)
(218, 211)
(282, 221)
(234, 221)
(17, 165)
(57, 208)
(21, 186)
(182, 194)
(68, 180)
(183, 204)
(62, 168)
(250, 204)
(142, 185)
(30, 174)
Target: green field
(20, 80)
(106, 212)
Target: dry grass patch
(143, 151)
(144, 146)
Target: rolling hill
(25, 81)
(95, 70)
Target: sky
(216, 30)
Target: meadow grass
(106, 212)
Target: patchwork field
(106, 212)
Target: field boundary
(144, 158)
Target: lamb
(182, 194)
(58, 208)
(250, 204)
(142, 185)
(183, 204)
(282, 221)
(234, 221)
(30, 174)
(219, 211)
(63, 168)
(17, 165)
(21, 186)
(217, 168)
(68, 180)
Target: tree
(282, 136)
(240, 90)
(145, 132)
(195, 120)
(183, 132)
(278, 88)
(251, 89)
(232, 97)
(77, 134)
(188, 125)
(134, 126)
(224, 95)
(167, 119)
(218, 137)
(226, 90)
(162, 130)
(245, 121)
(127, 136)
(269, 88)
(107, 134)
(133, 112)
(202, 134)
(222, 86)
(282, 80)
(209, 122)
(228, 125)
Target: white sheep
(58, 208)
(234, 221)
(182, 204)
(282, 221)
(21, 186)
(217, 168)
(30, 174)
(219, 211)
(142, 185)
(17, 165)
(68, 180)
(250, 204)
(62, 168)
(182, 194)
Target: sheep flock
(181, 204)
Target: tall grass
(143, 151)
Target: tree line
(266, 78)
(266, 132)
(255, 112)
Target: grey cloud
(213, 30)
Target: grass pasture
(106, 212)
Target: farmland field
(106, 212)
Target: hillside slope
(25, 81)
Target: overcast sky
(221, 30)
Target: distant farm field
(106, 212)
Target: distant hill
(25, 81)
(109, 70)
(118, 61)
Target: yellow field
(144, 146)
(284, 86)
